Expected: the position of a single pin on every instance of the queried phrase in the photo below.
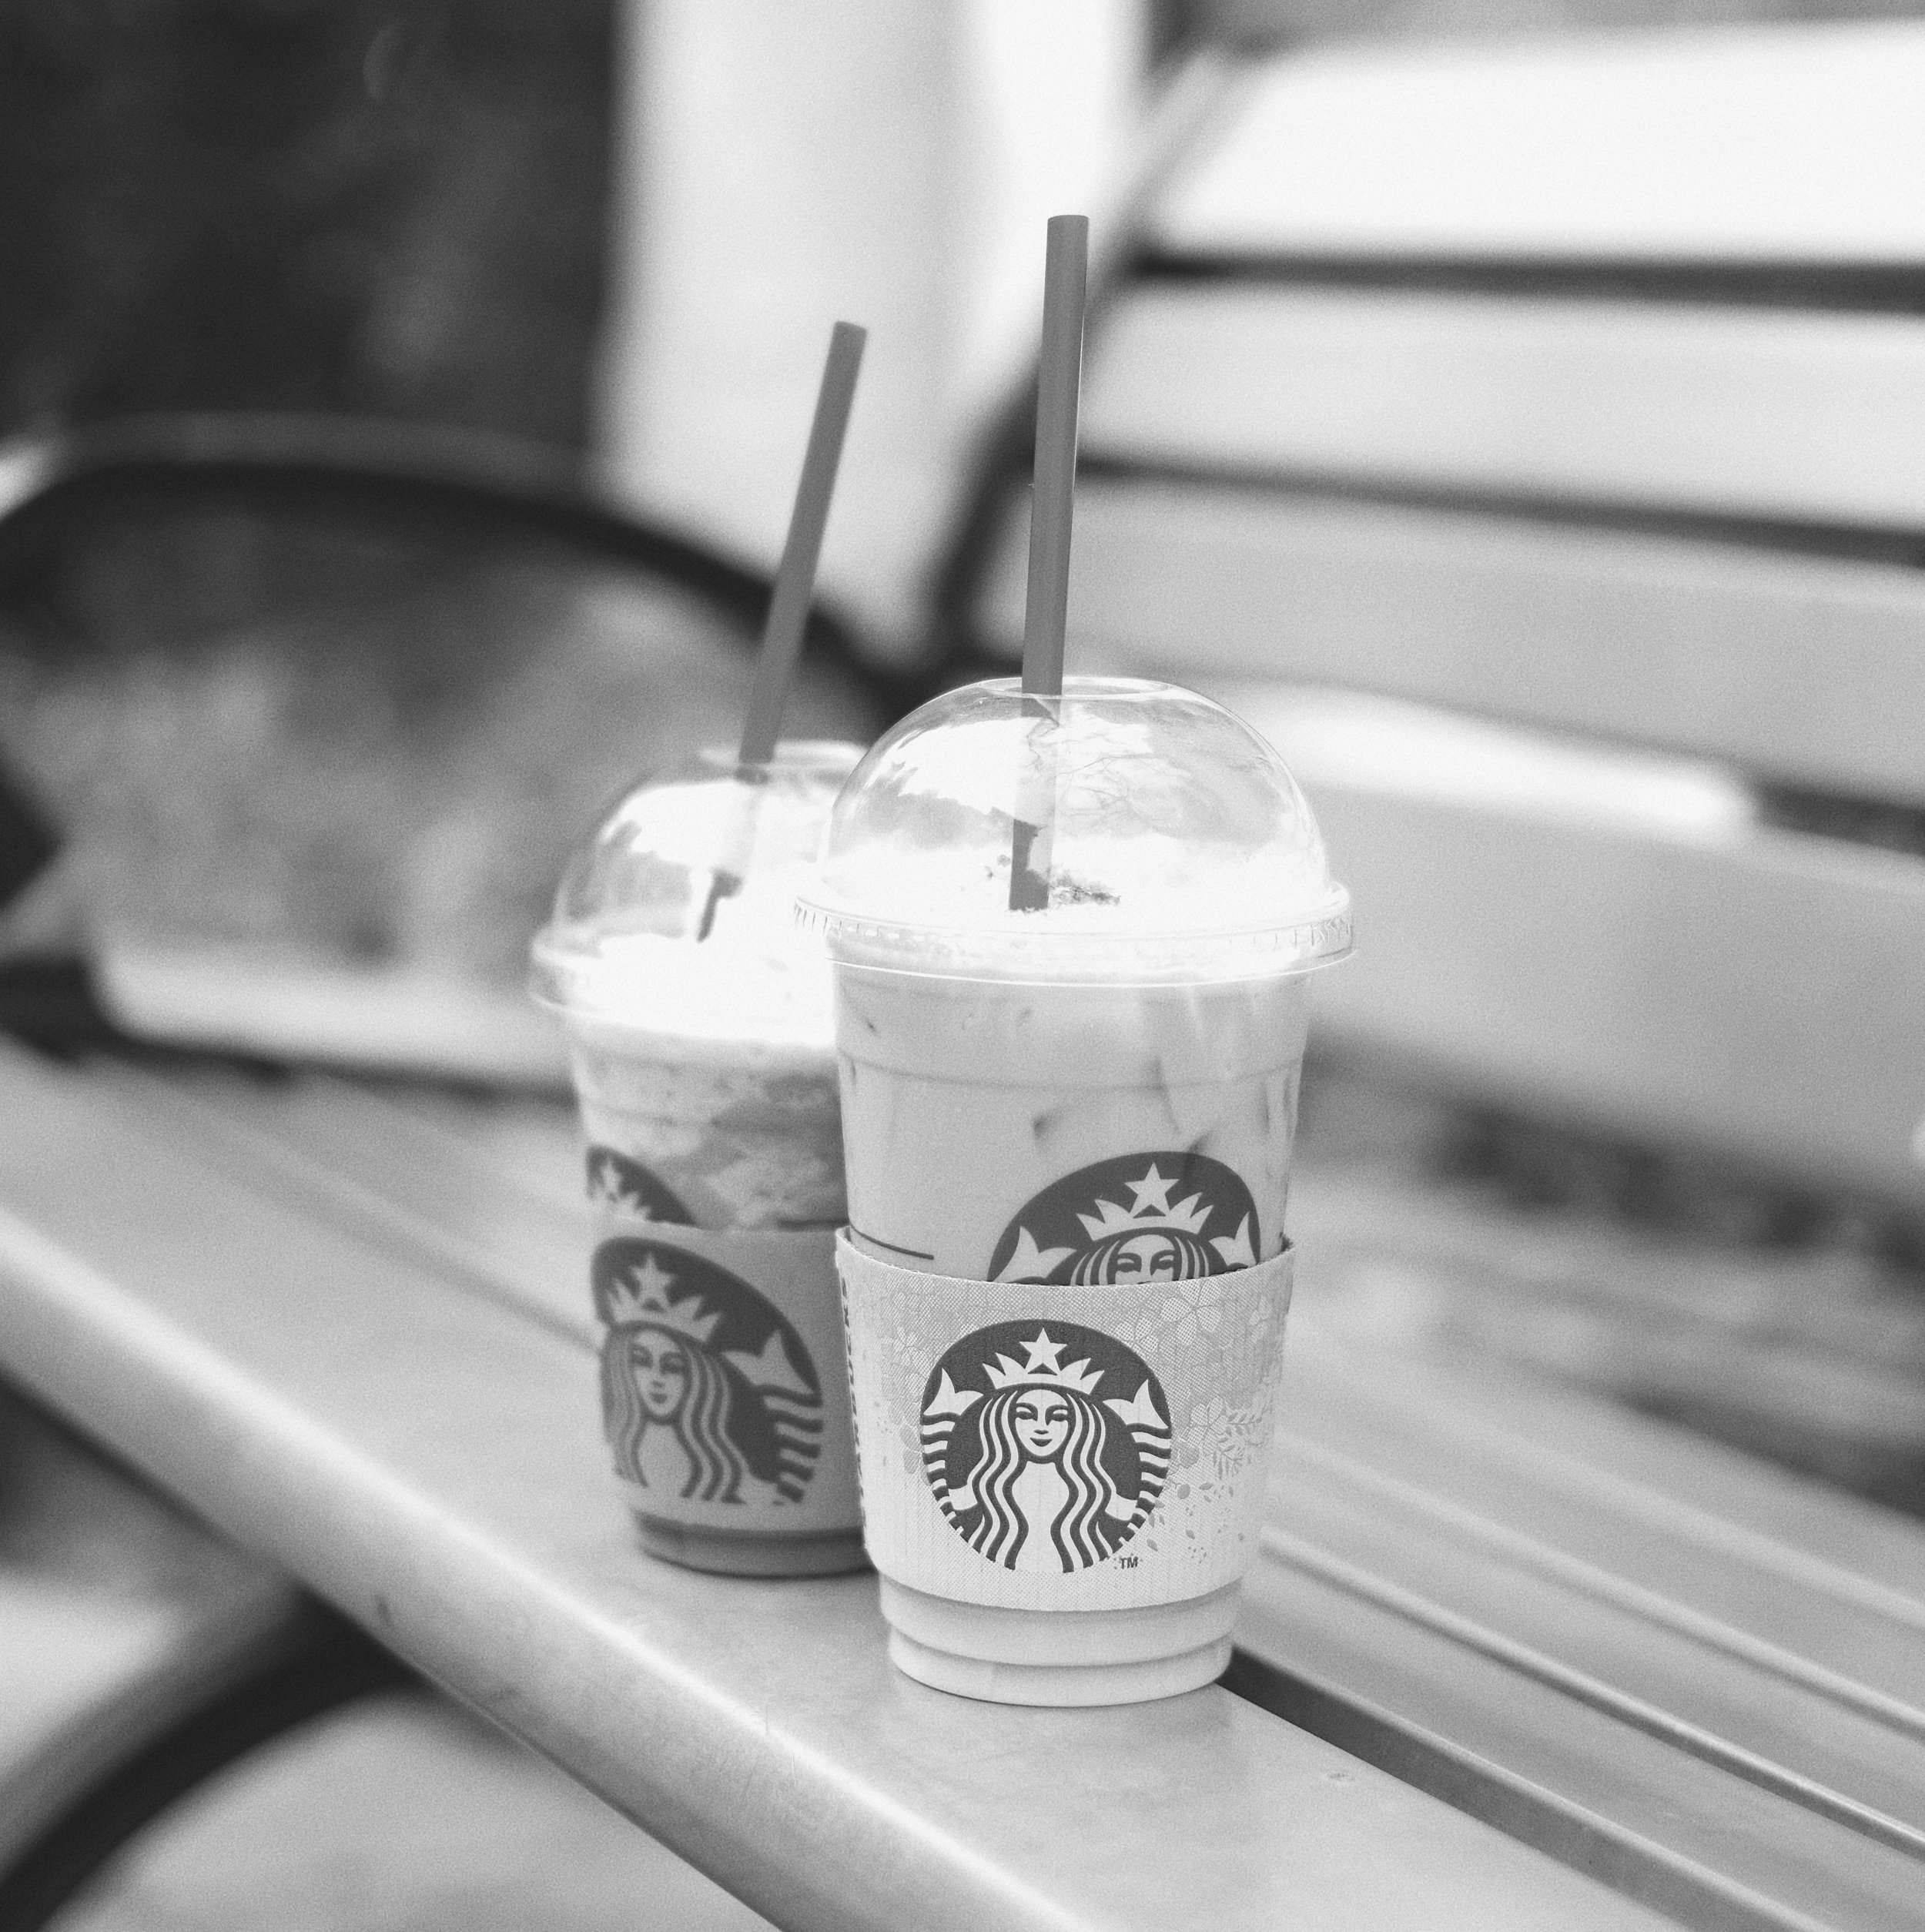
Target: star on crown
(642, 1293)
(1150, 1208)
(608, 1184)
(1044, 1366)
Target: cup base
(1058, 1684)
(1008, 1656)
(744, 1552)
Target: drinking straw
(795, 580)
(1059, 382)
(795, 589)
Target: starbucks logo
(615, 1181)
(1046, 1443)
(1145, 1217)
(707, 1392)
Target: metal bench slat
(1659, 1824)
(1631, 1314)
(1544, 924)
(1736, 1712)
(1794, 142)
(1615, 1639)
(387, 1174)
(1852, 1636)
(234, 998)
(1494, 1532)
(427, 1458)
(1764, 413)
(1767, 659)
(1546, 1449)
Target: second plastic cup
(1068, 1125)
(699, 1023)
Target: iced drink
(1113, 1132)
(700, 1028)
(1068, 1128)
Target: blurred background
(401, 404)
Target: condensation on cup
(701, 1033)
(1069, 1111)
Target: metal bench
(1511, 1656)
(343, 1326)
(358, 1377)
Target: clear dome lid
(677, 916)
(1128, 829)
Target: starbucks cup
(705, 1069)
(1067, 1127)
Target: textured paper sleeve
(1063, 1448)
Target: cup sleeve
(1155, 1403)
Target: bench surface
(425, 1455)
(1491, 1622)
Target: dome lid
(1169, 841)
(677, 915)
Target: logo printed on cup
(621, 1184)
(708, 1393)
(1140, 1217)
(1046, 1443)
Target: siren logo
(1145, 1217)
(626, 1185)
(707, 1393)
(1047, 1444)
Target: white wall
(785, 162)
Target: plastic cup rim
(796, 755)
(1303, 946)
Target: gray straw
(1046, 617)
(795, 589)
(795, 580)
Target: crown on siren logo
(1186, 1214)
(1043, 1368)
(1150, 1206)
(643, 1295)
(620, 1185)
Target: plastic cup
(1067, 1129)
(705, 1072)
